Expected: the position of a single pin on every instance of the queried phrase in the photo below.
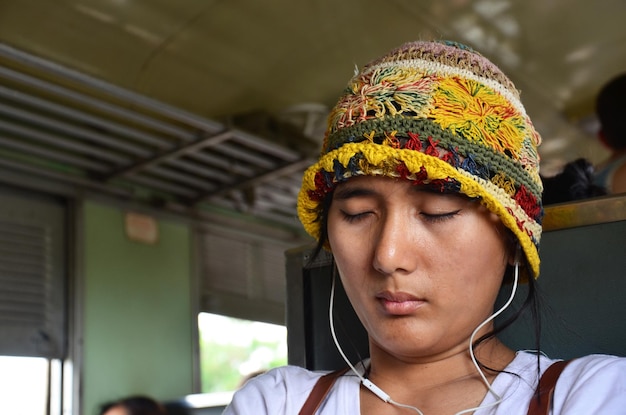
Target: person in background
(133, 405)
(574, 182)
(428, 195)
(611, 112)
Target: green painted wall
(137, 311)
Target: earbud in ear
(518, 255)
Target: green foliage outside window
(231, 350)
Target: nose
(394, 247)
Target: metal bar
(78, 132)
(253, 142)
(286, 184)
(94, 103)
(585, 212)
(212, 159)
(19, 237)
(60, 142)
(245, 155)
(108, 88)
(52, 155)
(282, 198)
(83, 117)
(200, 170)
(181, 178)
(280, 171)
(26, 279)
(234, 168)
(14, 249)
(156, 106)
(170, 154)
(63, 177)
(244, 145)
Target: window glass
(233, 350)
(23, 385)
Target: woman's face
(422, 270)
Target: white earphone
(383, 395)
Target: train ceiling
(199, 105)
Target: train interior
(151, 154)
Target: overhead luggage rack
(60, 124)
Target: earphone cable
(383, 395)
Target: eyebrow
(348, 192)
(352, 191)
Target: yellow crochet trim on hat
(496, 199)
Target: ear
(515, 258)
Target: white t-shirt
(594, 384)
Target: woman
(133, 405)
(610, 108)
(428, 195)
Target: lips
(399, 303)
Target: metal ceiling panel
(54, 120)
(146, 97)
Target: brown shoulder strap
(319, 391)
(541, 402)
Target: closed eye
(354, 217)
(439, 217)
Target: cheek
(351, 261)
(351, 269)
(349, 249)
(480, 263)
(355, 285)
(345, 260)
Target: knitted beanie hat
(441, 115)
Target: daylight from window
(23, 385)
(233, 350)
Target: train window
(33, 282)
(232, 350)
(28, 385)
(242, 275)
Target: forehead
(117, 410)
(380, 184)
